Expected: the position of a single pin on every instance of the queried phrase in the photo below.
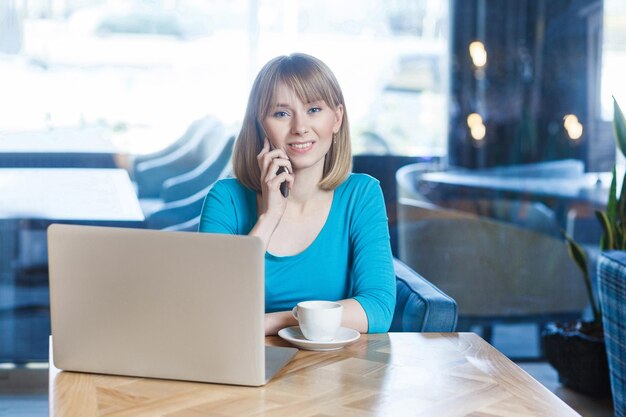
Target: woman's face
(303, 130)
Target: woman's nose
(299, 126)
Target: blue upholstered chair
(420, 305)
(612, 289)
(177, 212)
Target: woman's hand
(279, 320)
(273, 203)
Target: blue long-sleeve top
(350, 257)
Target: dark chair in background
(24, 298)
(207, 172)
(151, 171)
(176, 212)
(497, 272)
(169, 149)
(568, 168)
(176, 191)
(531, 215)
(182, 211)
(187, 226)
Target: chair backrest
(178, 143)
(187, 226)
(420, 305)
(532, 215)
(407, 178)
(492, 269)
(151, 174)
(206, 173)
(546, 169)
(180, 211)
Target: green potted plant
(577, 349)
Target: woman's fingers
(270, 166)
(275, 169)
(274, 183)
(260, 157)
(276, 164)
(267, 156)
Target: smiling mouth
(301, 146)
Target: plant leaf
(621, 202)
(608, 237)
(611, 206)
(619, 127)
(577, 254)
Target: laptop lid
(148, 303)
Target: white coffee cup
(319, 320)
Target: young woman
(328, 239)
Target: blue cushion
(612, 288)
(420, 305)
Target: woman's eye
(280, 114)
(315, 109)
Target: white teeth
(301, 145)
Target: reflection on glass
(474, 119)
(478, 132)
(543, 64)
(477, 128)
(572, 126)
(478, 53)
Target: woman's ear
(338, 118)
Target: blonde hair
(311, 80)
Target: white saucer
(294, 336)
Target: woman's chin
(306, 165)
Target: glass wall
(530, 152)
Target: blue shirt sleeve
(374, 279)
(219, 214)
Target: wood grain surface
(395, 374)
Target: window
(144, 70)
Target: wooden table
(396, 374)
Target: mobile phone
(284, 186)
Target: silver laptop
(148, 303)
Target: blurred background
(497, 109)
(142, 70)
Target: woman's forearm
(354, 317)
(279, 320)
(264, 228)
